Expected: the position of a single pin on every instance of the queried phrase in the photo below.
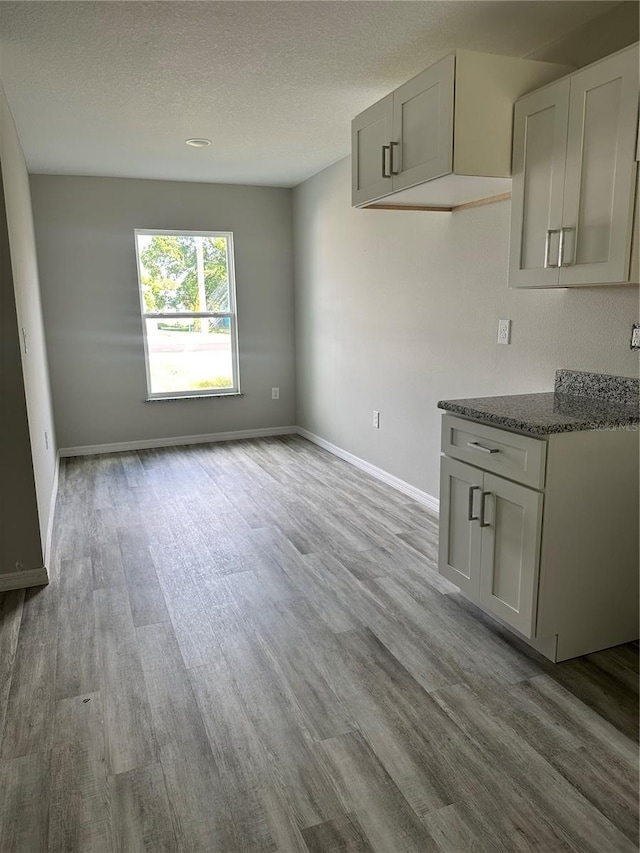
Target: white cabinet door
(422, 142)
(539, 149)
(600, 171)
(370, 148)
(510, 552)
(459, 544)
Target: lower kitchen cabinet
(557, 563)
(459, 548)
(511, 521)
(490, 546)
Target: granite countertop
(581, 401)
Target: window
(188, 300)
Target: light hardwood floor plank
(456, 829)
(80, 817)
(141, 814)
(189, 607)
(367, 791)
(239, 756)
(145, 595)
(24, 803)
(343, 835)
(320, 712)
(77, 657)
(106, 563)
(556, 707)
(609, 786)
(195, 790)
(282, 823)
(569, 815)
(445, 637)
(430, 761)
(10, 617)
(295, 767)
(28, 722)
(129, 735)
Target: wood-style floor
(246, 647)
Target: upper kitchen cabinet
(422, 141)
(444, 138)
(370, 135)
(574, 177)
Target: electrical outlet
(376, 420)
(635, 336)
(275, 393)
(504, 331)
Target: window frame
(232, 314)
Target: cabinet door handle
(391, 158)
(475, 446)
(547, 248)
(470, 515)
(385, 148)
(483, 497)
(561, 260)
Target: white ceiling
(114, 88)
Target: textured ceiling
(114, 88)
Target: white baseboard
(52, 510)
(418, 495)
(21, 580)
(173, 441)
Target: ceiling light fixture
(198, 142)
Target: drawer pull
(547, 249)
(385, 148)
(391, 158)
(475, 446)
(470, 515)
(561, 260)
(483, 497)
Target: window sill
(194, 397)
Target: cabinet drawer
(509, 454)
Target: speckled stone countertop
(581, 401)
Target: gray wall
(22, 308)
(84, 229)
(396, 310)
(597, 38)
(19, 528)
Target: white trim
(52, 509)
(418, 495)
(189, 396)
(172, 441)
(193, 395)
(181, 232)
(25, 578)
